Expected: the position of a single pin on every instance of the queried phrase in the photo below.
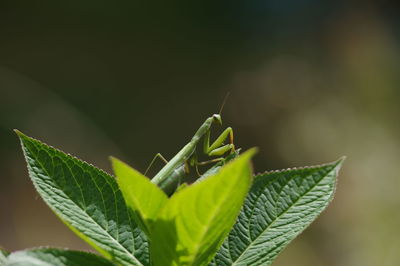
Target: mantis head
(217, 118)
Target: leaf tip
(250, 152)
(116, 163)
(22, 137)
(19, 133)
(112, 159)
(339, 162)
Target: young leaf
(145, 198)
(280, 205)
(195, 221)
(87, 200)
(54, 257)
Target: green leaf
(87, 200)
(54, 257)
(280, 205)
(3, 256)
(195, 221)
(145, 198)
(215, 168)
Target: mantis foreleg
(178, 165)
(217, 148)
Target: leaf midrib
(273, 222)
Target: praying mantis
(178, 167)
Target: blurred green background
(310, 81)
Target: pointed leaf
(87, 200)
(145, 198)
(54, 257)
(280, 205)
(195, 220)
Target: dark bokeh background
(310, 81)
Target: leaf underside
(54, 257)
(87, 200)
(279, 206)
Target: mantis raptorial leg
(215, 149)
(177, 167)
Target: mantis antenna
(223, 102)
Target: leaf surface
(54, 257)
(145, 198)
(3, 255)
(196, 219)
(87, 200)
(279, 206)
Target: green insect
(177, 168)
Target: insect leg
(211, 161)
(158, 155)
(217, 148)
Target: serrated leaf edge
(77, 232)
(338, 161)
(335, 165)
